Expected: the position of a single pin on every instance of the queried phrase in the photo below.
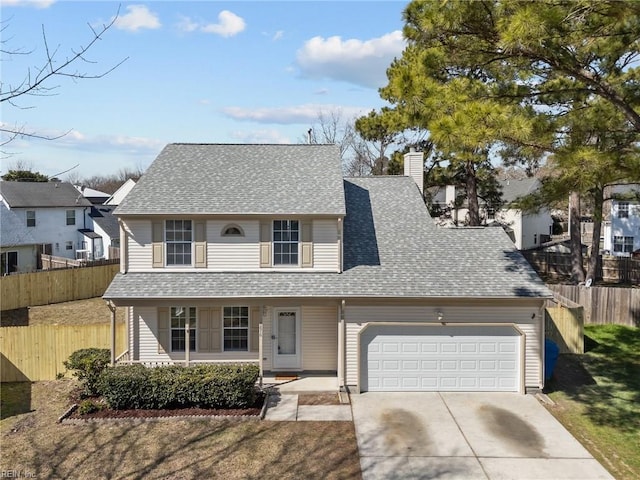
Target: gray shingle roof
(103, 216)
(240, 179)
(514, 189)
(391, 249)
(41, 194)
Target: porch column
(260, 366)
(341, 349)
(186, 337)
(112, 307)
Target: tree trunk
(472, 195)
(577, 270)
(598, 201)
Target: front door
(286, 339)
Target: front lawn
(33, 443)
(597, 397)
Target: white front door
(286, 339)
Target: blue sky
(230, 72)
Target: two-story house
(526, 229)
(266, 254)
(18, 249)
(622, 228)
(54, 214)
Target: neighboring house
(123, 191)
(622, 229)
(526, 230)
(105, 227)
(96, 197)
(18, 249)
(265, 254)
(52, 212)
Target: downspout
(187, 327)
(112, 307)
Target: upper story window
(31, 218)
(71, 217)
(286, 236)
(232, 231)
(623, 210)
(623, 244)
(179, 317)
(178, 237)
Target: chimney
(414, 167)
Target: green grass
(598, 397)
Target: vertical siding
(233, 253)
(325, 245)
(320, 337)
(358, 316)
(139, 244)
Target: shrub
(207, 386)
(89, 406)
(88, 364)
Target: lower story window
(623, 244)
(179, 316)
(236, 329)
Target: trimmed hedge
(88, 364)
(205, 386)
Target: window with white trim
(179, 316)
(69, 245)
(178, 235)
(71, 217)
(286, 236)
(236, 329)
(623, 244)
(623, 210)
(31, 218)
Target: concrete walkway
(465, 436)
(283, 407)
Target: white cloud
(307, 113)
(259, 136)
(136, 18)
(28, 3)
(356, 61)
(229, 24)
(278, 35)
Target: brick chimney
(414, 167)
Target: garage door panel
(446, 359)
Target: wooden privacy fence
(610, 269)
(604, 305)
(55, 286)
(36, 353)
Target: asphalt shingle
(240, 179)
(41, 194)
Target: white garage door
(434, 358)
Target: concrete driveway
(465, 436)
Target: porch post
(112, 307)
(260, 366)
(186, 338)
(341, 344)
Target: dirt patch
(318, 399)
(80, 312)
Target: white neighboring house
(105, 226)
(53, 213)
(18, 249)
(622, 231)
(526, 230)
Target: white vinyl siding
(229, 253)
(320, 337)
(139, 245)
(325, 245)
(357, 316)
(146, 320)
